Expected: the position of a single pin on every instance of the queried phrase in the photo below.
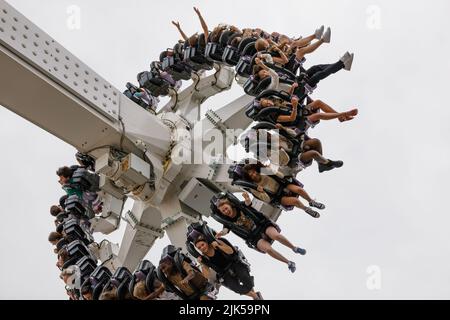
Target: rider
(261, 235)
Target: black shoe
(337, 164)
(330, 165)
(312, 212)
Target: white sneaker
(319, 32)
(348, 62)
(327, 36)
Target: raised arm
(178, 26)
(222, 246)
(282, 59)
(247, 200)
(203, 23)
(222, 233)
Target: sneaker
(291, 266)
(337, 164)
(299, 250)
(317, 205)
(330, 165)
(319, 32)
(312, 213)
(348, 62)
(326, 38)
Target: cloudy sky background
(385, 208)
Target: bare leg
(325, 116)
(313, 144)
(301, 52)
(273, 234)
(292, 201)
(319, 104)
(303, 41)
(308, 156)
(300, 191)
(265, 246)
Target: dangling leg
(329, 111)
(300, 191)
(292, 201)
(273, 234)
(320, 72)
(265, 246)
(313, 144)
(301, 52)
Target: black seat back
(153, 83)
(86, 266)
(145, 271)
(74, 206)
(253, 87)
(97, 280)
(76, 250)
(86, 180)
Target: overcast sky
(386, 207)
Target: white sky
(385, 207)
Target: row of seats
(232, 270)
(180, 62)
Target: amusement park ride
(134, 149)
